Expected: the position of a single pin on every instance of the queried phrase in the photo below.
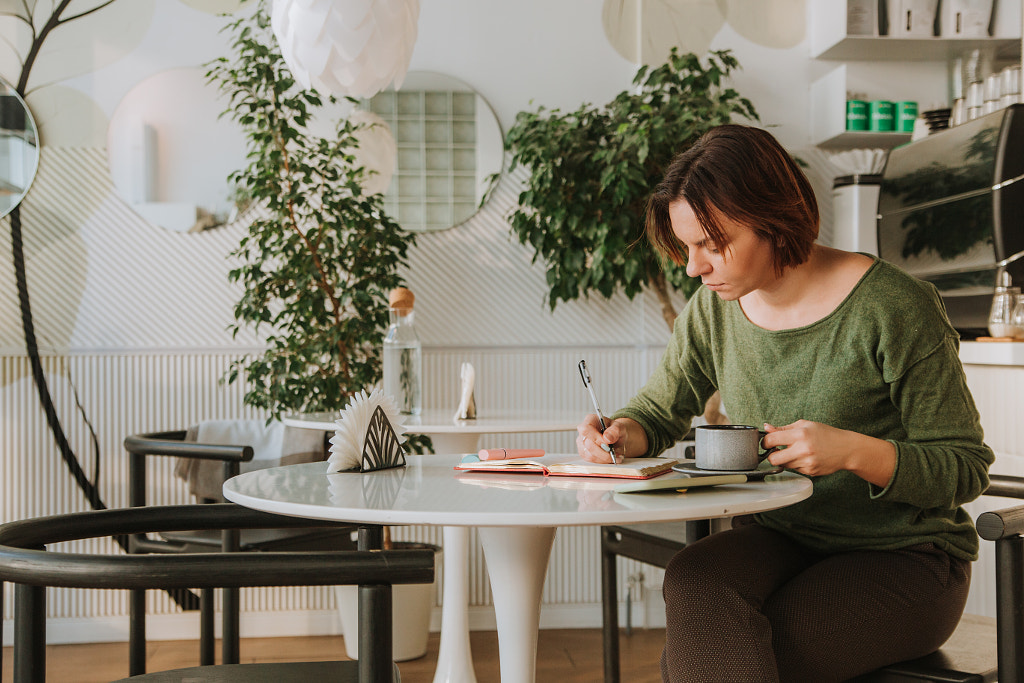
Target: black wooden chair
(294, 538)
(25, 562)
(978, 649)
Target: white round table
(451, 436)
(459, 436)
(516, 516)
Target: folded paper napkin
(273, 445)
(467, 401)
(350, 435)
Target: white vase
(411, 605)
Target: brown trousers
(749, 605)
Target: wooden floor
(563, 656)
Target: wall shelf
(866, 139)
(828, 117)
(896, 68)
(889, 49)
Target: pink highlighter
(509, 453)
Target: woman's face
(731, 270)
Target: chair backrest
(273, 444)
(24, 562)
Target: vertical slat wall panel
(125, 393)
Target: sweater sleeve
(944, 461)
(680, 386)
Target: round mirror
(450, 150)
(438, 154)
(170, 152)
(19, 148)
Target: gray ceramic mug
(729, 447)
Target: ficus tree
(320, 255)
(591, 171)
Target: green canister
(882, 115)
(906, 114)
(856, 115)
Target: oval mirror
(450, 150)
(19, 148)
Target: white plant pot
(411, 605)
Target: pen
(585, 374)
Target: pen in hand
(597, 408)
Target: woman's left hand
(816, 449)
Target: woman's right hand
(624, 436)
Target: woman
(852, 367)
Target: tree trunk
(657, 283)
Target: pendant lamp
(346, 47)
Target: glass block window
(434, 185)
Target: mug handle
(760, 444)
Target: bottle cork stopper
(401, 299)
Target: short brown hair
(743, 173)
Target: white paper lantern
(346, 47)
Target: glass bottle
(403, 354)
(1017, 318)
(1003, 301)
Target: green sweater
(884, 363)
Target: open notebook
(564, 465)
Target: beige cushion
(273, 444)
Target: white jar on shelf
(1009, 86)
(862, 17)
(965, 18)
(912, 17)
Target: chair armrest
(174, 444)
(23, 561)
(1005, 486)
(998, 524)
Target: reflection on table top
(429, 491)
(443, 422)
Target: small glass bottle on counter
(1017, 318)
(403, 354)
(1003, 302)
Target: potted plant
(319, 258)
(320, 255)
(591, 171)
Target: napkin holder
(381, 448)
(368, 435)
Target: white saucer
(688, 467)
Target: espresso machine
(951, 212)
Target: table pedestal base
(517, 561)
(454, 656)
